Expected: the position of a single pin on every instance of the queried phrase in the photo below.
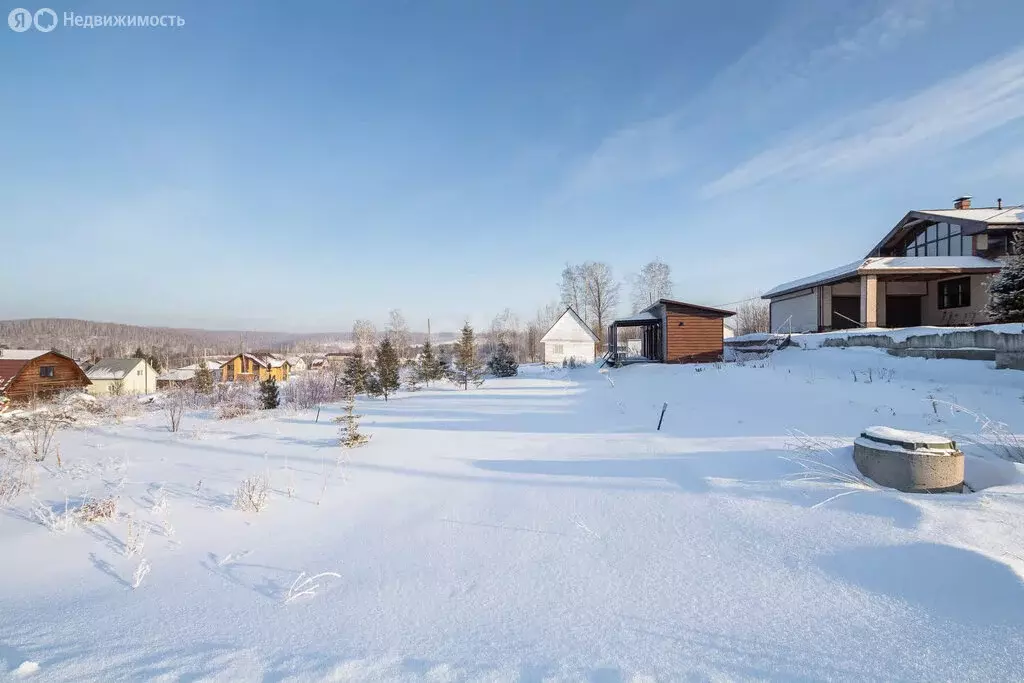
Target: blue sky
(271, 167)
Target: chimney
(999, 203)
(963, 202)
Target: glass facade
(939, 239)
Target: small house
(250, 367)
(180, 376)
(296, 364)
(28, 374)
(672, 332)
(121, 376)
(569, 338)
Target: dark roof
(972, 221)
(694, 307)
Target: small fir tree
(356, 372)
(203, 379)
(503, 363)
(269, 395)
(466, 366)
(1006, 288)
(386, 371)
(349, 434)
(428, 369)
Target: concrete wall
(972, 339)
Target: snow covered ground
(538, 528)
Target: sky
(295, 166)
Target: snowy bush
(55, 520)
(175, 402)
(16, 472)
(308, 390)
(96, 510)
(252, 494)
(304, 586)
(119, 406)
(241, 399)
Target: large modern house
(930, 269)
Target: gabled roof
(579, 321)
(210, 365)
(696, 307)
(972, 221)
(113, 368)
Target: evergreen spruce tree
(349, 434)
(386, 377)
(356, 372)
(466, 366)
(503, 363)
(1006, 288)
(269, 395)
(428, 368)
(203, 379)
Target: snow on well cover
(906, 436)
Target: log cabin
(30, 374)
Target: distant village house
(29, 374)
(122, 377)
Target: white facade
(797, 312)
(132, 376)
(569, 337)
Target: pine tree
(467, 367)
(269, 395)
(356, 372)
(385, 375)
(503, 363)
(349, 434)
(1006, 288)
(203, 379)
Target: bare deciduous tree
(753, 316)
(574, 288)
(602, 296)
(364, 334)
(175, 402)
(398, 332)
(653, 282)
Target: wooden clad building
(29, 374)
(672, 332)
(248, 367)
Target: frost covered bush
(240, 399)
(118, 406)
(15, 473)
(175, 402)
(252, 494)
(96, 510)
(135, 537)
(308, 390)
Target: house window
(557, 348)
(139, 373)
(46, 371)
(955, 293)
(939, 239)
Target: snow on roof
(928, 262)
(642, 317)
(113, 368)
(840, 273)
(22, 354)
(993, 215)
(210, 365)
(579, 321)
(179, 375)
(885, 264)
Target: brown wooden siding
(29, 384)
(693, 338)
(247, 370)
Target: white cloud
(942, 116)
(771, 73)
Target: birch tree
(601, 296)
(398, 331)
(574, 289)
(653, 282)
(364, 334)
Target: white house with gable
(569, 337)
